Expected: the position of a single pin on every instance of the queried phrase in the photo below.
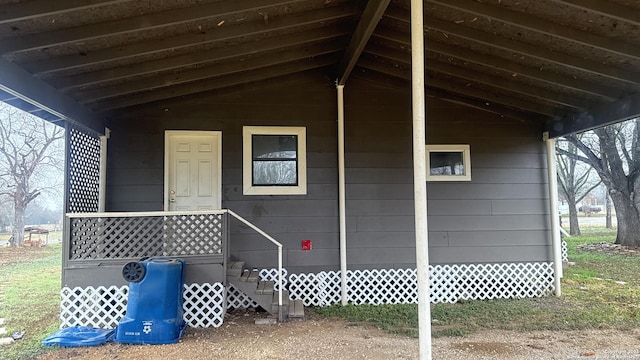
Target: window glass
(274, 160)
(446, 163)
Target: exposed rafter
(230, 66)
(520, 47)
(368, 22)
(194, 58)
(217, 83)
(607, 93)
(224, 33)
(135, 23)
(470, 91)
(606, 8)
(20, 83)
(475, 76)
(38, 8)
(529, 22)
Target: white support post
(102, 186)
(553, 208)
(420, 177)
(341, 196)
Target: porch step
(262, 292)
(235, 268)
(296, 309)
(265, 287)
(285, 302)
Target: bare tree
(614, 152)
(575, 181)
(30, 149)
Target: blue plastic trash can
(154, 309)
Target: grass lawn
(30, 284)
(591, 299)
(30, 287)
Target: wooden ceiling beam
(404, 85)
(200, 57)
(217, 83)
(514, 103)
(504, 83)
(606, 8)
(14, 80)
(526, 21)
(134, 23)
(598, 116)
(368, 21)
(38, 8)
(606, 93)
(290, 21)
(488, 39)
(230, 66)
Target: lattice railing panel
(193, 234)
(140, 236)
(103, 307)
(83, 177)
(565, 254)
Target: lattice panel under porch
(565, 254)
(448, 284)
(142, 236)
(103, 307)
(83, 178)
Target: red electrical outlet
(306, 244)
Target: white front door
(193, 170)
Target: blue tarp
(79, 336)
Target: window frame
(457, 148)
(247, 160)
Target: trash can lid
(79, 336)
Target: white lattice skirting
(103, 307)
(448, 284)
(203, 304)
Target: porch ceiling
(573, 64)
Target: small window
(448, 163)
(274, 160)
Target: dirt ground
(319, 338)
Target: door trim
(167, 135)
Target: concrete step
(251, 276)
(285, 302)
(265, 287)
(296, 309)
(235, 268)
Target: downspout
(102, 185)
(420, 177)
(553, 208)
(341, 196)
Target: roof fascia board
(602, 115)
(21, 84)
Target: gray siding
(500, 216)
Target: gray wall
(500, 216)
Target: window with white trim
(448, 163)
(274, 160)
